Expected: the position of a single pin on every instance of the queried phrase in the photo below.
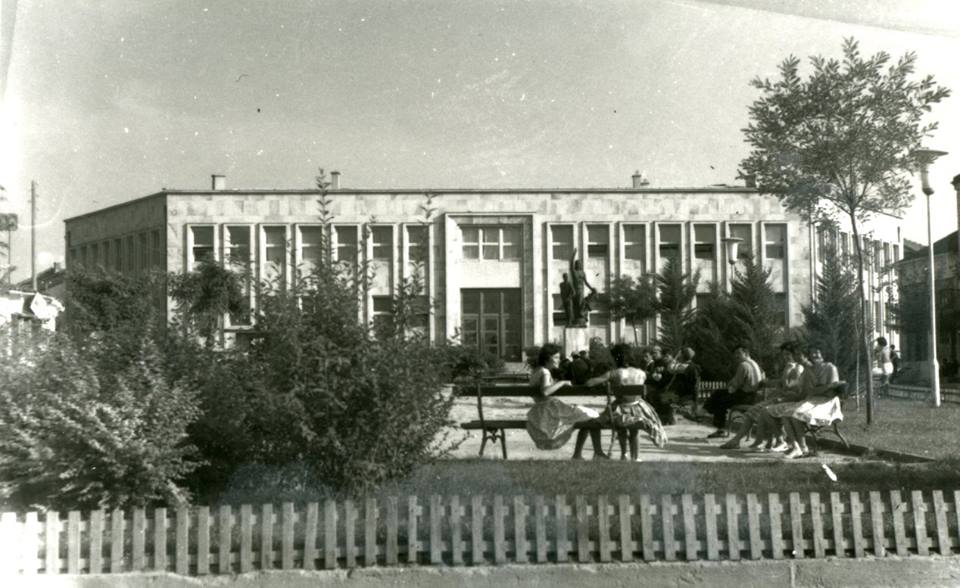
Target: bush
(70, 441)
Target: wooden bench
(494, 430)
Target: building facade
(490, 260)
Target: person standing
(895, 360)
(742, 389)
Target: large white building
(491, 259)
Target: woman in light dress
(629, 414)
(819, 407)
(550, 422)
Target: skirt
(550, 422)
(637, 415)
(819, 412)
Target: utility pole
(33, 235)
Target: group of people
(781, 410)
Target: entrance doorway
(492, 320)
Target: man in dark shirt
(742, 389)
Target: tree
(831, 322)
(840, 141)
(677, 291)
(632, 300)
(207, 294)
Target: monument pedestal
(575, 340)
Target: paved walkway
(688, 442)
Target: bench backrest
(518, 390)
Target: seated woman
(628, 414)
(819, 406)
(765, 415)
(550, 422)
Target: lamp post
(924, 158)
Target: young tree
(677, 291)
(204, 296)
(840, 141)
(632, 300)
(832, 321)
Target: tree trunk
(861, 294)
(636, 334)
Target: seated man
(742, 389)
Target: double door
(492, 320)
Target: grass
(909, 426)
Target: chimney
(640, 179)
(334, 180)
(218, 182)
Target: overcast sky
(111, 100)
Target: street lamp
(924, 158)
(732, 245)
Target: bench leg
(503, 442)
(483, 441)
(836, 429)
(493, 435)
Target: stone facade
(500, 253)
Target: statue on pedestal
(576, 307)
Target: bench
(494, 430)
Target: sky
(106, 101)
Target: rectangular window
(598, 241)
(511, 241)
(562, 245)
(382, 238)
(878, 317)
(95, 255)
(73, 258)
(238, 247)
(382, 313)
(471, 242)
(704, 242)
(418, 246)
(670, 237)
(702, 299)
(311, 248)
(117, 256)
(634, 242)
(129, 254)
(83, 256)
(275, 253)
(143, 251)
(346, 244)
(775, 240)
(745, 234)
(157, 249)
(844, 244)
(202, 245)
(886, 256)
(780, 299)
(896, 253)
(490, 243)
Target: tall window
(634, 242)
(562, 245)
(143, 252)
(83, 256)
(346, 244)
(743, 232)
(704, 242)
(598, 241)
(382, 238)
(201, 247)
(94, 255)
(775, 240)
(117, 260)
(238, 247)
(275, 254)
(418, 244)
(311, 248)
(129, 254)
(670, 238)
(157, 248)
(780, 300)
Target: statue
(576, 307)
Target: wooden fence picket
(816, 519)
(138, 540)
(604, 543)
(31, 544)
(160, 539)
(733, 528)
(943, 530)
(350, 533)
(95, 542)
(646, 528)
(690, 543)
(561, 539)
(583, 530)
(10, 543)
(519, 530)
(51, 532)
(897, 507)
(371, 516)
(666, 522)
(956, 512)
(413, 544)
(540, 527)
(796, 525)
(919, 508)
(310, 536)
(626, 529)
(776, 529)
(499, 533)
(476, 530)
(836, 520)
(330, 534)
(225, 563)
(456, 532)
(73, 542)
(710, 512)
(392, 549)
(287, 529)
(266, 537)
(203, 540)
(753, 526)
(436, 518)
(856, 523)
(182, 545)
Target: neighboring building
(914, 295)
(492, 259)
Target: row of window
(130, 253)
(878, 255)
